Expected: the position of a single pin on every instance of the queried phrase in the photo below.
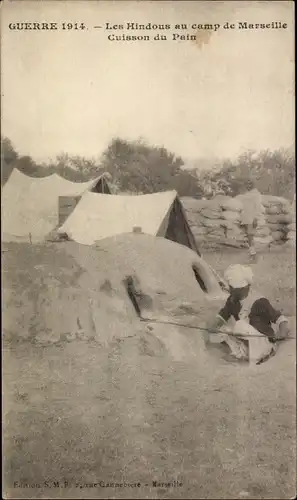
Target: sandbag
(236, 230)
(229, 224)
(291, 235)
(221, 198)
(193, 204)
(275, 227)
(277, 235)
(271, 203)
(201, 238)
(262, 231)
(215, 236)
(273, 210)
(211, 213)
(231, 216)
(189, 199)
(232, 242)
(213, 204)
(277, 210)
(192, 219)
(286, 209)
(263, 240)
(269, 200)
(232, 205)
(234, 237)
(191, 213)
(260, 245)
(291, 243)
(197, 230)
(292, 226)
(210, 222)
(279, 219)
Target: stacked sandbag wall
(279, 217)
(236, 234)
(217, 222)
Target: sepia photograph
(148, 249)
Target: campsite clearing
(130, 411)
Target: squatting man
(249, 315)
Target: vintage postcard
(148, 249)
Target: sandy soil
(131, 410)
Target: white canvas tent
(99, 216)
(30, 204)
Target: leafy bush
(137, 167)
(272, 172)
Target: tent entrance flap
(178, 229)
(101, 187)
(66, 206)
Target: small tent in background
(6, 170)
(100, 184)
(68, 203)
(99, 216)
(30, 205)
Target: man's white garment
(258, 344)
(252, 206)
(238, 276)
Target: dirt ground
(77, 415)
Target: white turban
(238, 276)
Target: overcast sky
(73, 91)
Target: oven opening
(199, 278)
